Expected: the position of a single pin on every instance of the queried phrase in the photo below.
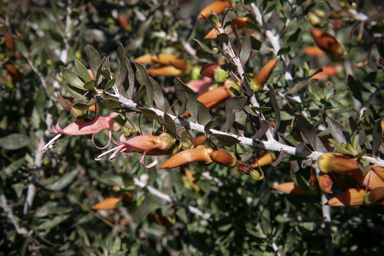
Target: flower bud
(256, 175)
(327, 43)
(199, 154)
(291, 188)
(9, 43)
(314, 19)
(170, 60)
(145, 59)
(124, 22)
(313, 51)
(200, 140)
(263, 75)
(328, 71)
(263, 159)
(325, 182)
(218, 7)
(351, 197)
(223, 158)
(337, 163)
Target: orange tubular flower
(108, 203)
(218, 7)
(223, 158)
(291, 188)
(198, 154)
(314, 51)
(214, 97)
(328, 71)
(145, 59)
(376, 196)
(351, 197)
(337, 163)
(379, 171)
(372, 181)
(327, 43)
(263, 159)
(165, 71)
(263, 75)
(170, 60)
(124, 22)
(325, 182)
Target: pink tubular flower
(82, 127)
(143, 144)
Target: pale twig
(8, 210)
(167, 198)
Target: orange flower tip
(165, 71)
(212, 34)
(351, 197)
(170, 60)
(218, 7)
(198, 154)
(263, 75)
(291, 188)
(145, 59)
(372, 180)
(376, 196)
(124, 22)
(107, 204)
(223, 158)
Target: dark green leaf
(256, 44)
(302, 150)
(14, 141)
(275, 108)
(158, 96)
(252, 25)
(337, 130)
(245, 49)
(226, 140)
(377, 135)
(190, 98)
(223, 37)
(94, 60)
(149, 114)
(295, 41)
(109, 84)
(51, 223)
(212, 124)
(233, 104)
(375, 77)
(72, 78)
(206, 48)
(355, 87)
(140, 94)
(284, 50)
(169, 124)
(63, 181)
(82, 71)
(111, 180)
(121, 73)
(131, 78)
(143, 79)
(89, 85)
(204, 116)
(75, 92)
(112, 104)
(270, 9)
(40, 103)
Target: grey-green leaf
(63, 181)
(94, 59)
(14, 141)
(72, 78)
(226, 140)
(245, 49)
(82, 71)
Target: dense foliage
(294, 104)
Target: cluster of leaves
(44, 54)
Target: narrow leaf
(14, 141)
(169, 124)
(82, 71)
(143, 78)
(275, 107)
(245, 49)
(131, 78)
(226, 140)
(206, 48)
(72, 78)
(94, 59)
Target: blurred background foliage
(46, 199)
